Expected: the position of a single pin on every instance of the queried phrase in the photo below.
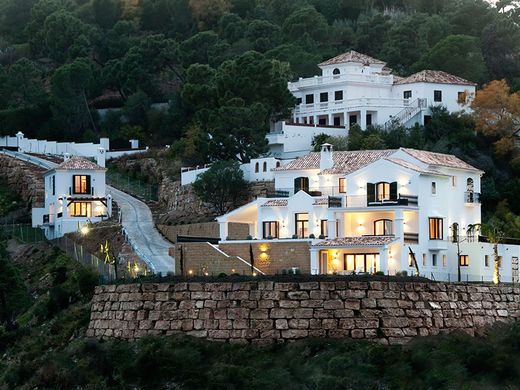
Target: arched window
(336, 72)
(278, 164)
(382, 227)
(265, 166)
(470, 186)
(301, 184)
(257, 167)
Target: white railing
(345, 78)
(349, 104)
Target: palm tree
(495, 236)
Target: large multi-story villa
(377, 210)
(357, 89)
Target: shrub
(269, 237)
(222, 275)
(249, 237)
(294, 236)
(312, 236)
(321, 237)
(87, 281)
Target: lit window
(302, 224)
(81, 209)
(464, 260)
(382, 227)
(270, 229)
(383, 191)
(324, 230)
(410, 260)
(436, 228)
(81, 184)
(434, 188)
(342, 185)
(444, 261)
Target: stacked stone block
(265, 312)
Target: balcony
(339, 79)
(363, 201)
(337, 106)
(472, 198)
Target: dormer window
(81, 184)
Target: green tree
(222, 185)
(456, 54)
(23, 85)
(306, 21)
(106, 12)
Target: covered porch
(367, 254)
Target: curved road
(136, 219)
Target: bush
(321, 237)
(87, 281)
(249, 237)
(312, 236)
(294, 236)
(222, 275)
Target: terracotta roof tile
(352, 56)
(433, 76)
(363, 241)
(344, 161)
(276, 203)
(413, 167)
(79, 163)
(440, 159)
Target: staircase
(406, 114)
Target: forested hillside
(208, 76)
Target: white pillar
(399, 225)
(134, 144)
(109, 205)
(330, 120)
(315, 120)
(223, 230)
(383, 260)
(315, 261)
(331, 225)
(363, 119)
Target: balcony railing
(349, 104)
(472, 197)
(344, 78)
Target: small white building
(376, 210)
(75, 195)
(357, 89)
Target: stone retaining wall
(24, 178)
(236, 231)
(264, 312)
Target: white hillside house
(75, 195)
(357, 89)
(369, 211)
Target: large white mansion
(357, 89)
(376, 210)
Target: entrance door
(324, 260)
(514, 265)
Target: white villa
(369, 211)
(357, 89)
(75, 195)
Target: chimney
(134, 144)
(101, 157)
(326, 161)
(66, 156)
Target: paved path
(136, 219)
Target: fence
(24, 232)
(76, 251)
(131, 185)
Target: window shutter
(89, 189)
(297, 184)
(371, 192)
(393, 190)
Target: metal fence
(23, 232)
(133, 186)
(79, 253)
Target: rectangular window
(464, 260)
(324, 229)
(53, 185)
(437, 96)
(81, 209)
(461, 97)
(337, 121)
(299, 101)
(410, 260)
(407, 94)
(322, 121)
(369, 119)
(324, 97)
(302, 224)
(435, 228)
(338, 95)
(486, 261)
(444, 261)
(81, 184)
(434, 260)
(352, 120)
(434, 188)
(270, 229)
(382, 191)
(454, 181)
(342, 185)
(309, 99)
(424, 260)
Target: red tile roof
(344, 162)
(352, 56)
(413, 167)
(439, 159)
(79, 163)
(433, 76)
(363, 241)
(276, 203)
